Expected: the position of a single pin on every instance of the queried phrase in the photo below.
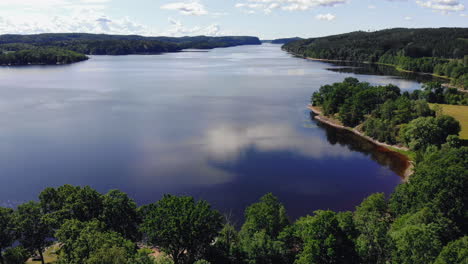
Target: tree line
(62, 48)
(26, 55)
(387, 115)
(423, 221)
(442, 51)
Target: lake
(228, 125)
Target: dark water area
(227, 126)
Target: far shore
(392, 148)
(391, 65)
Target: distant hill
(441, 51)
(370, 46)
(285, 40)
(127, 44)
(101, 44)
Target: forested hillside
(69, 47)
(442, 51)
(285, 40)
(26, 55)
(126, 44)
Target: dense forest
(285, 40)
(387, 115)
(423, 221)
(38, 55)
(64, 48)
(442, 51)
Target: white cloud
(289, 5)
(371, 7)
(84, 20)
(187, 8)
(408, 18)
(443, 6)
(179, 29)
(325, 17)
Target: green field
(50, 255)
(459, 112)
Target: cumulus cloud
(443, 6)
(193, 8)
(83, 21)
(179, 29)
(268, 6)
(87, 16)
(325, 17)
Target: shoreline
(390, 65)
(391, 148)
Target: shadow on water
(380, 70)
(395, 161)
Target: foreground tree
(120, 214)
(34, 229)
(181, 227)
(7, 233)
(323, 240)
(268, 215)
(264, 221)
(455, 252)
(372, 220)
(16, 255)
(71, 202)
(439, 182)
(89, 243)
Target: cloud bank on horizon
(264, 18)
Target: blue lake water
(227, 125)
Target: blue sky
(263, 18)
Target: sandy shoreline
(320, 117)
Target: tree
(439, 182)
(455, 252)
(71, 202)
(7, 232)
(425, 131)
(324, 240)
(16, 255)
(181, 227)
(120, 214)
(372, 220)
(227, 248)
(34, 230)
(268, 214)
(261, 248)
(418, 237)
(89, 243)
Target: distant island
(64, 48)
(438, 51)
(282, 40)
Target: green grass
(459, 112)
(50, 255)
(408, 153)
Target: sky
(267, 19)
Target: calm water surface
(228, 126)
